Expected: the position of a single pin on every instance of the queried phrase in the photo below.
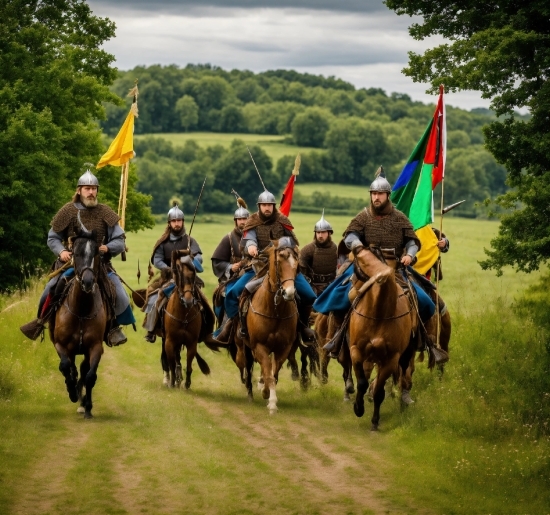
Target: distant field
(336, 190)
(273, 145)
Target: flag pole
(438, 267)
(125, 173)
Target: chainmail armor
(392, 230)
(272, 229)
(94, 219)
(319, 262)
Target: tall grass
(475, 441)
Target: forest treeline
(353, 130)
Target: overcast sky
(360, 41)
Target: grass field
(466, 445)
(271, 144)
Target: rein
(278, 293)
(181, 294)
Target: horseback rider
(173, 238)
(110, 238)
(227, 259)
(318, 259)
(443, 245)
(385, 227)
(261, 227)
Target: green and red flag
(413, 191)
(288, 192)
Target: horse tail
(203, 365)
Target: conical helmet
(241, 211)
(323, 225)
(175, 213)
(88, 178)
(380, 184)
(266, 198)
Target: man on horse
(227, 259)
(385, 227)
(101, 219)
(261, 227)
(173, 238)
(318, 259)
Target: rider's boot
(307, 334)
(223, 334)
(150, 323)
(116, 337)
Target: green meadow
(471, 443)
(273, 145)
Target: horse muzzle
(289, 293)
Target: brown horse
(80, 322)
(381, 324)
(185, 322)
(272, 320)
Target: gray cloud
(188, 7)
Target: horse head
(283, 266)
(368, 265)
(86, 258)
(184, 273)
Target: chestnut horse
(272, 320)
(381, 325)
(80, 322)
(184, 323)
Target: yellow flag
(429, 252)
(122, 147)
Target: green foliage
(310, 127)
(503, 50)
(165, 171)
(53, 78)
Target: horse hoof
(88, 415)
(73, 396)
(80, 409)
(187, 385)
(374, 428)
(406, 399)
(346, 398)
(359, 410)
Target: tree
(310, 127)
(501, 48)
(54, 77)
(188, 112)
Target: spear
(257, 171)
(195, 214)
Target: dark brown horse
(185, 322)
(271, 319)
(381, 325)
(325, 327)
(80, 322)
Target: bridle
(181, 293)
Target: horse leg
(164, 364)
(345, 362)
(406, 368)
(172, 361)
(268, 391)
(249, 367)
(68, 369)
(362, 383)
(91, 377)
(84, 368)
(292, 363)
(379, 390)
(191, 352)
(314, 364)
(304, 375)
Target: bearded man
(173, 238)
(318, 259)
(263, 226)
(384, 226)
(110, 238)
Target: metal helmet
(241, 211)
(323, 225)
(175, 213)
(88, 178)
(266, 198)
(380, 184)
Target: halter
(181, 294)
(278, 292)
